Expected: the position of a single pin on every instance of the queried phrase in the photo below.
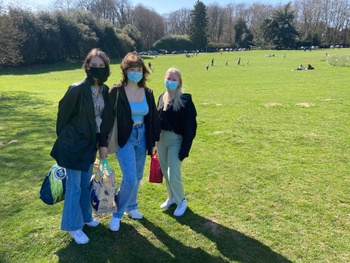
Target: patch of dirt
(273, 104)
(305, 104)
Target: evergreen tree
(11, 38)
(243, 36)
(279, 30)
(198, 26)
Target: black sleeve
(68, 107)
(107, 118)
(189, 115)
(155, 120)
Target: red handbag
(155, 173)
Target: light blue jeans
(77, 207)
(131, 160)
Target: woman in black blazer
(83, 122)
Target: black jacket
(182, 122)
(76, 145)
(125, 122)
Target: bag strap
(105, 165)
(116, 100)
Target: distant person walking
(238, 61)
(150, 66)
(212, 62)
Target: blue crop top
(139, 110)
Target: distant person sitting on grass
(309, 67)
(300, 67)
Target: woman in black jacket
(178, 128)
(83, 122)
(138, 130)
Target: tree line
(68, 29)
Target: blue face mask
(134, 76)
(171, 85)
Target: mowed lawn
(267, 179)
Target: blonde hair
(177, 103)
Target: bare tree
(257, 13)
(177, 22)
(122, 12)
(149, 23)
(66, 5)
(216, 22)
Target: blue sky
(160, 6)
(167, 6)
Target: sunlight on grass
(266, 180)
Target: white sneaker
(93, 223)
(134, 214)
(79, 236)
(181, 208)
(114, 224)
(170, 201)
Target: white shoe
(181, 208)
(170, 201)
(93, 223)
(79, 236)
(134, 214)
(114, 224)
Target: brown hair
(132, 60)
(96, 52)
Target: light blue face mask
(171, 85)
(134, 76)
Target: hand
(103, 152)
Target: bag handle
(154, 154)
(105, 164)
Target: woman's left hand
(103, 151)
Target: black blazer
(76, 145)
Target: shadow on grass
(232, 244)
(128, 245)
(26, 132)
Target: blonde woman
(178, 128)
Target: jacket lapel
(89, 107)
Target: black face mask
(98, 73)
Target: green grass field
(267, 179)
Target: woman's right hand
(103, 152)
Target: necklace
(133, 93)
